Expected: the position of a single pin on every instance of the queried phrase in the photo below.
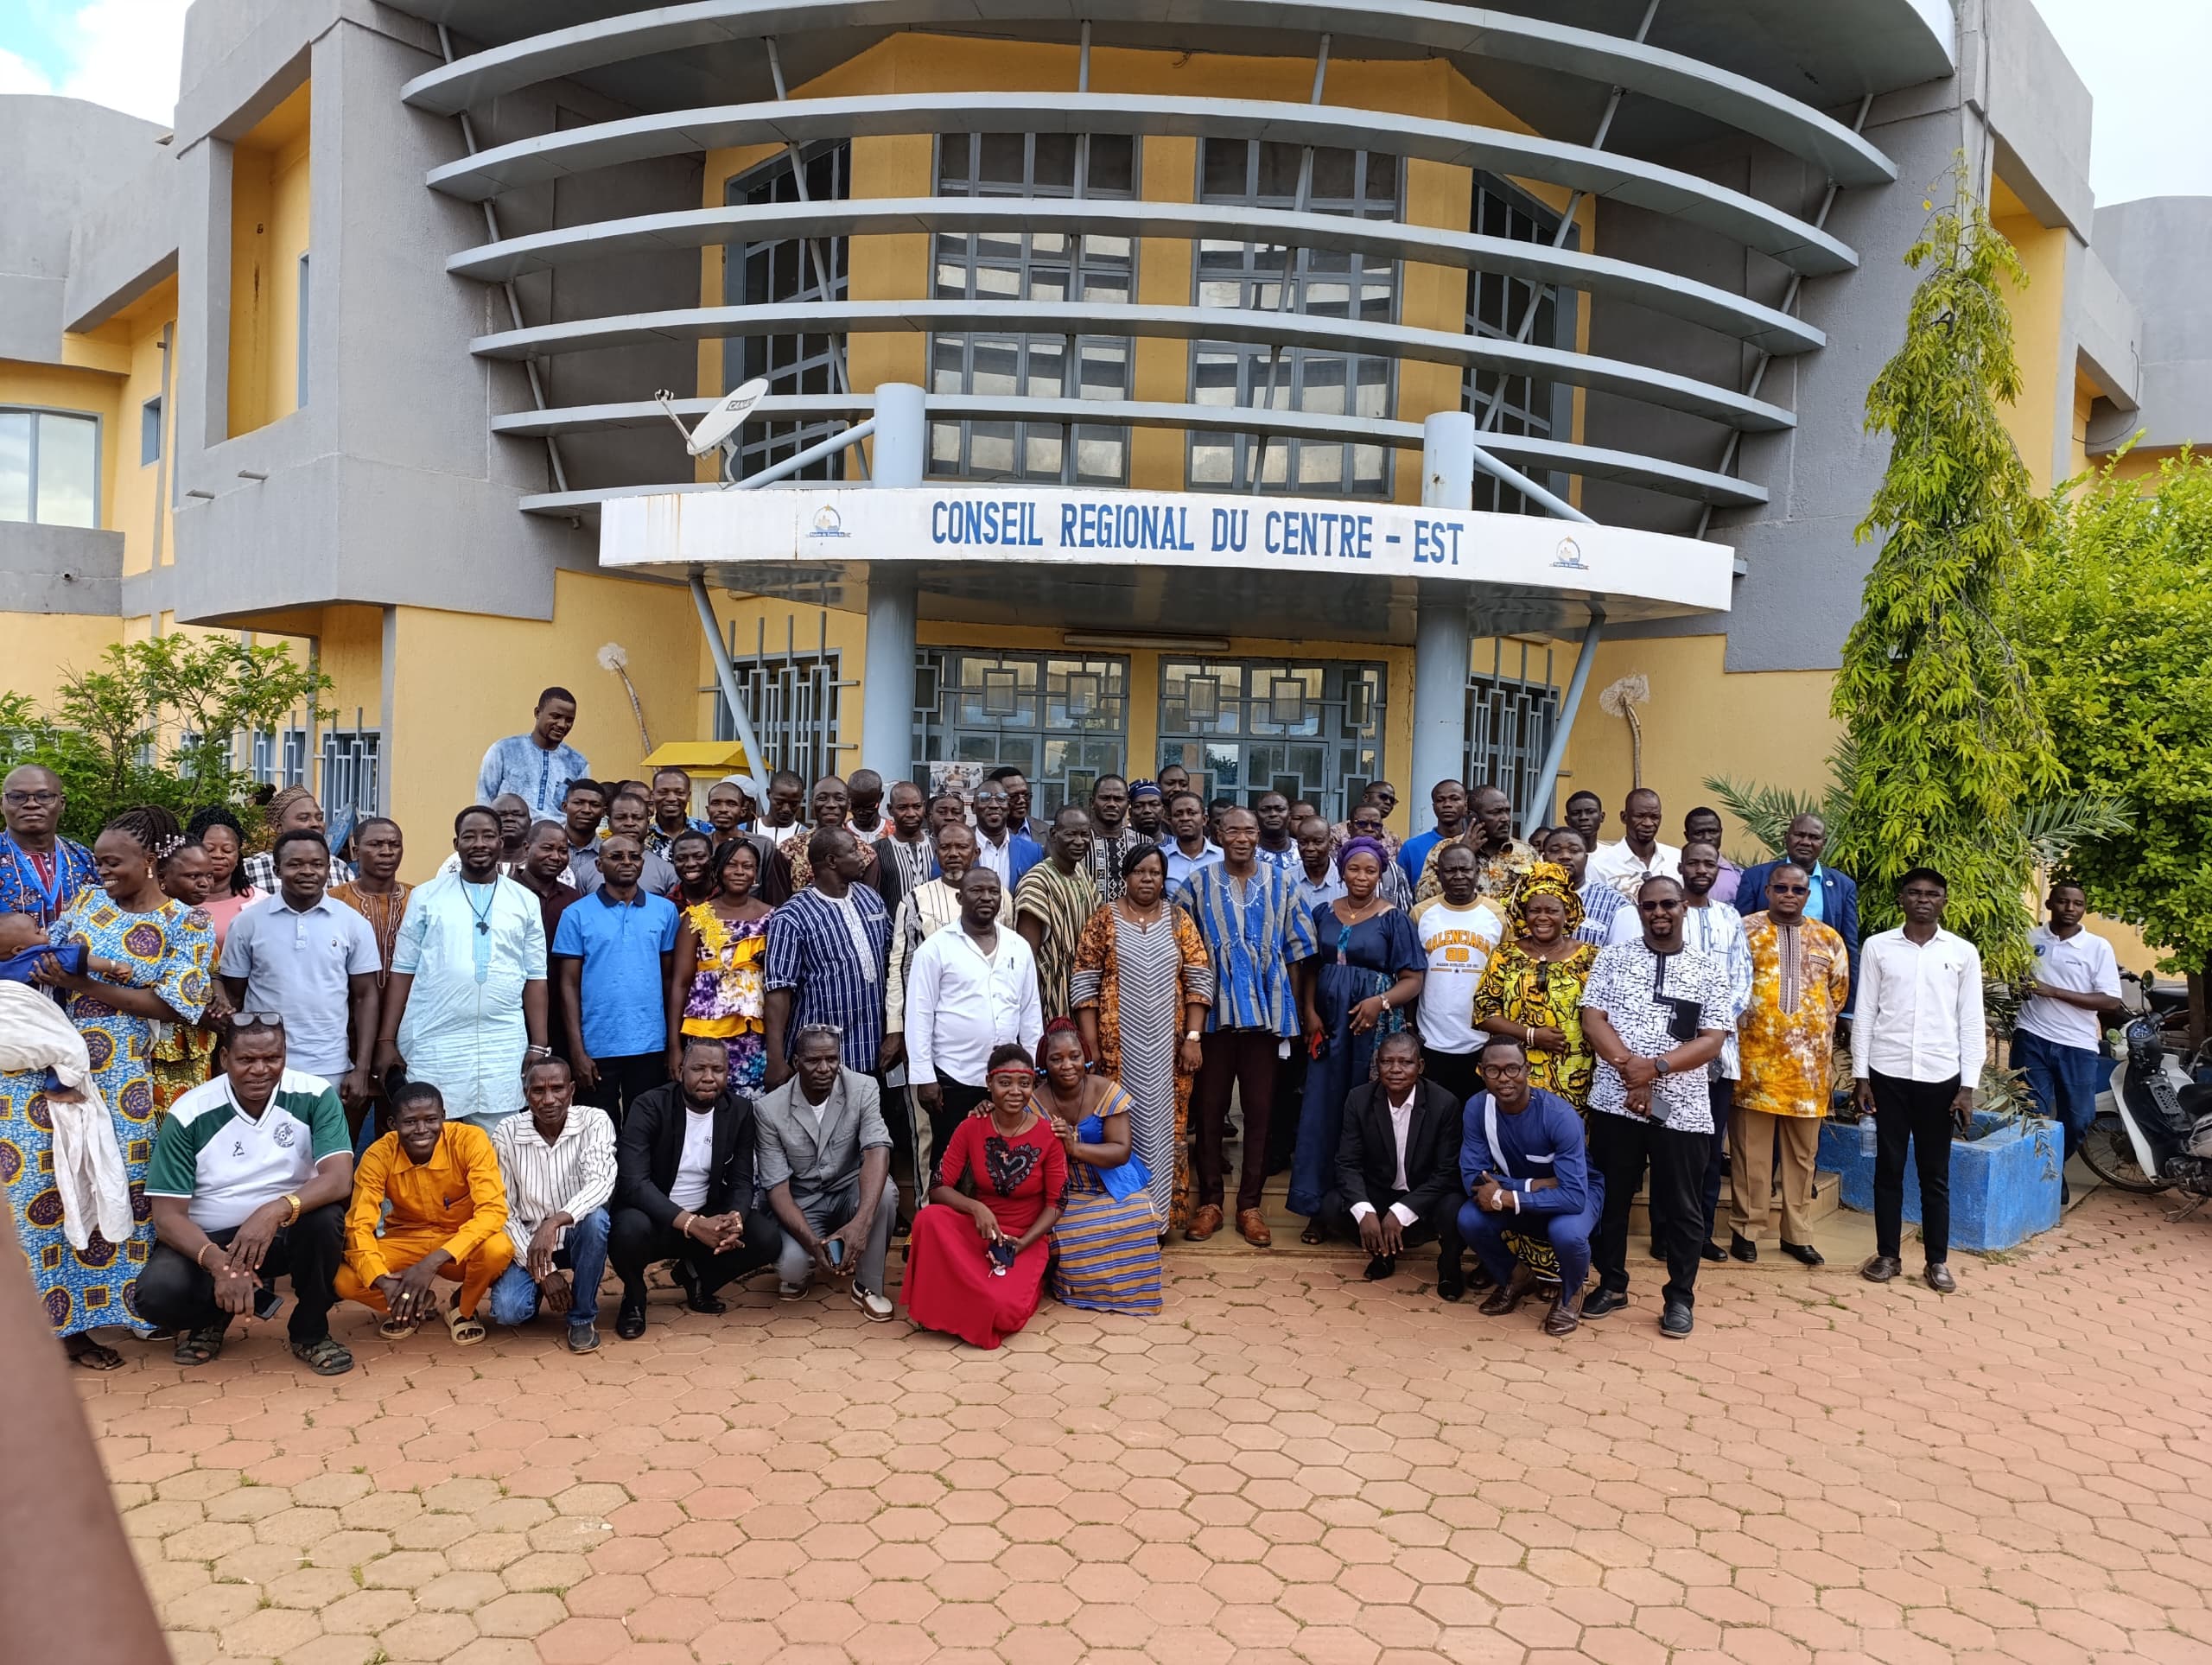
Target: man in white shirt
(1639, 854)
(1656, 1014)
(558, 1163)
(1189, 849)
(926, 909)
(1716, 930)
(2055, 1038)
(1458, 930)
(1917, 1048)
(1397, 1180)
(968, 989)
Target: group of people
(609, 1031)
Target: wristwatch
(293, 1197)
(1660, 1066)
(1190, 1034)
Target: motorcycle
(2153, 1130)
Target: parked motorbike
(2153, 1131)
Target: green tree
(153, 722)
(2116, 624)
(1947, 744)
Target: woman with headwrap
(1531, 990)
(1365, 979)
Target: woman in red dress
(976, 1262)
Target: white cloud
(124, 53)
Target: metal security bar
(352, 772)
(795, 696)
(1245, 728)
(1061, 719)
(1512, 713)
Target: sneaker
(583, 1338)
(1675, 1322)
(876, 1309)
(788, 1291)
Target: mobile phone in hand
(837, 1248)
(267, 1303)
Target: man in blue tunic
(40, 872)
(1532, 1201)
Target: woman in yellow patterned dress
(1531, 990)
(714, 988)
(167, 950)
(182, 1055)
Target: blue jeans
(2064, 1081)
(513, 1298)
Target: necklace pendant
(483, 930)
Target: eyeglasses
(256, 1021)
(40, 798)
(1505, 1070)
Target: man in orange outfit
(448, 1219)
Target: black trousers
(1458, 1073)
(1621, 1147)
(622, 1080)
(1290, 1104)
(177, 1295)
(1722, 1092)
(956, 1101)
(635, 1242)
(1441, 1225)
(1917, 1113)
(1240, 1062)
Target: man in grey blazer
(825, 1163)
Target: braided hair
(154, 828)
(216, 815)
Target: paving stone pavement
(1287, 1465)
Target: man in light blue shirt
(537, 767)
(611, 954)
(1189, 848)
(313, 961)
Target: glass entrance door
(1246, 727)
(1061, 719)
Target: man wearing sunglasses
(306, 954)
(1656, 1013)
(40, 872)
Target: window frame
(153, 433)
(99, 461)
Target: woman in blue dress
(166, 951)
(1366, 976)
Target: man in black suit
(1398, 1167)
(683, 1189)
(903, 857)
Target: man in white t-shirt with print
(1458, 930)
(2055, 1038)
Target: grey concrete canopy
(1453, 31)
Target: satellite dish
(717, 429)
(729, 413)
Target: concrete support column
(1439, 739)
(887, 695)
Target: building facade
(363, 354)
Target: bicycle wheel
(2111, 1155)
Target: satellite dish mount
(718, 428)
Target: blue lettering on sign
(1126, 526)
(1436, 543)
(1318, 532)
(1004, 522)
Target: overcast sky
(2145, 62)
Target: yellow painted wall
(1771, 727)
(270, 173)
(2038, 331)
(462, 681)
(138, 508)
(44, 647)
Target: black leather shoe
(1451, 1282)
(1602, 1301)
(1742, 1246)
(630, 1322)
(1804, 1254)
(1881, 1268)
(1656, 1255)
(1939, 1279)
(1675, 1322)
(1712, 1251)
(1380, 1267)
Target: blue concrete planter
(2004, 1180)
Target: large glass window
(1043, 265)
(1245, 728)
(49, 467)
(765, 274)
(1496, 307)
(1512, 713)
(1063, 720)
(1322, 284)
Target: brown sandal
(90, 1354)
